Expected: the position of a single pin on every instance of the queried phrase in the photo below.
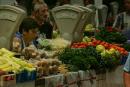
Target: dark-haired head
(28, 24)
(29, 28)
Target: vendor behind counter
(41, 15)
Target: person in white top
(122, 23)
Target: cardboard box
(8, 80)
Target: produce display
(80, 59)
(98, 55)
(102, 52)
(54, 44)
(110, 35)
(47, 67)
(9, 63)
(32, 52)
(59, 43)
(126, 46)
(102, 44)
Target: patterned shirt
(19, 44)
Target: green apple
(86, 39)
(89, 27)
(105, 54)
(117, 53)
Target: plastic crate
(25, 76)
(123, 60)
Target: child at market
(26, 35)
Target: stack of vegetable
(54, 44)
(81, 59)
(9, 63)
(126, 46)
(98, 55)
(95, 42)
(110, 35)
(47, 66)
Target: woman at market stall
(26, 35)
(41, 15)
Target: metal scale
(77, 2)
(7, 2)
(70, 21)
(10, 19)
